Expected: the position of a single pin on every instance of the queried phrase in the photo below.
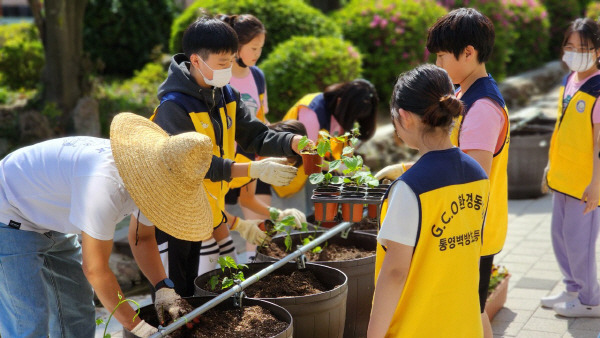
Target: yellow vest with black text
(440, 297)
(571, 153)
(494, 233)
(223, 145)
(316, 103)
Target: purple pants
(574, 241)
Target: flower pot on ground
(258, 318)
(498, 291)
(359, 267)
(315, 313)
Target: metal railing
(236, 290)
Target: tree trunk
(61, 31)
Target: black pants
(485, 272)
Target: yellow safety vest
(571, 153)
(494, 233)
(224, 148)
(440, 297)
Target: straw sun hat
(164, 175)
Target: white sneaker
(574, 308)
(562, 297)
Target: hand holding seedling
(170, 306)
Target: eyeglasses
(577, 49)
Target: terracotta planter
(325, 211)
(497, 298)
(312, 163)
(352, 212)
(372, 210)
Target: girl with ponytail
(427, 263)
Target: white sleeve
(401, 221)
(97, 205)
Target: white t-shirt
(401, 221)
(68, 185)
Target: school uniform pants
(574, 241)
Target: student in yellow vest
(335, 110)
(574, 174)
(427, 263)
(196, 97)
(463, 41)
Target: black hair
(354, 101)
(207, 36)
(426, 91)
(291, 126)
(588, 30)
(246, 26)
(460, 28)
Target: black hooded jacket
(251, 134)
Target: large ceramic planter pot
(528, 153)
(148, 313)
(497, 298)
(312, 163)
(361, 277)
(318, 315)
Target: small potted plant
(497, 290)
(312, 155)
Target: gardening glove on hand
(250, 231)
(299, 216)
(544, 185)
(170, 306)
(274, 171)
(144, 329)
(391, 172)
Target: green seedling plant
(100, 321)
(322, 147)
(233, 269)
(284, 226)
(316, 249)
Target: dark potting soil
(250, 321)
(274, 285)
(331, 252)
(365, 224)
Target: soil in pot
(331, 252)
(366, 224)
(255, 319)
(312, 162)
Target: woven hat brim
(176, 206)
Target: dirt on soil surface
(331, 252)
(275, 285)
(365, 224)
(248, 322)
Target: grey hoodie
(251, 134)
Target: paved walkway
(529, 257)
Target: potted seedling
(497, 290)
(325, 196)
(228, 279)
(312, 155)
(274, 226)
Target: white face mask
(579, 62)
(221, 77)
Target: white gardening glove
(272, 170)
(391, 172)
(299, 216)
(544, 185)
(250, 231)
(170, 306)
(144, 329)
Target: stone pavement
(529, 257)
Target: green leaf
(304, 141)
(213, 282)
(99, 321)
(242, 266)
(304, 227)
(227, 282)
(119, 295)
(324, 134)
(353, 141)
(305, 241)
(107, 335)
(337, 180)
(274, 214)
(317, 249)
(316, 178)
(323, 147)
(347, 150)
(239, 276)
(288, 243)
(334, 165)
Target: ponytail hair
(247, 26)
(427, 91)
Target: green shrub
(282, 19)
(530, 21)
(391, 35)
(3, 95)
(304, 65)
(583, 4)
(137, 95)
(21, 62)
(21, 30)
(497, 12)
(593, 11)
(561, 13)
(122, 34)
